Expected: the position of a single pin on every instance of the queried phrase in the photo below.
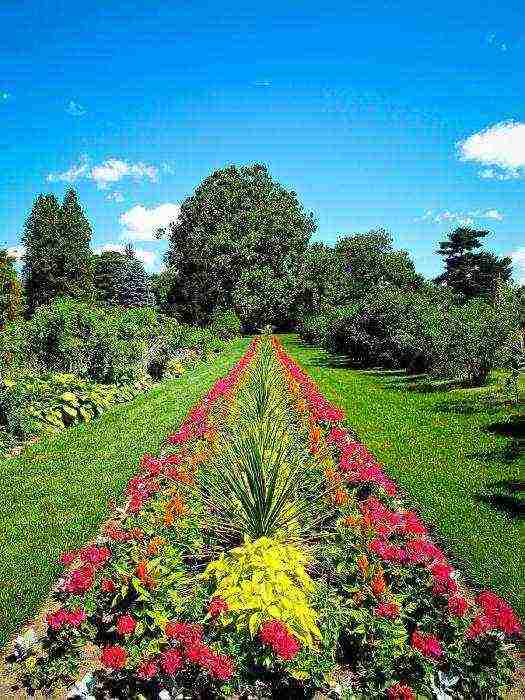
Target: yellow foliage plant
(263, 580)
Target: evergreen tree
(41, 240)
(74, 264)
(132, 285)
(10, 290)
(108, 270)
(469, 271)
(57, 261)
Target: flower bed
(266, 551)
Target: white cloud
(148, 257)
(106, 173)
(460, 218)
(16, 252)
(518, 260)
(493, 214)
(75, 109)
(115, 197)
(140, 223)
(501, 146)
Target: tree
(10, 291)
(57, 258)
(108, 270)
(238, 219)
(132, 286)
(468, 271)
(319, 274)
(74, 239)
(40, 238)
(369, 261)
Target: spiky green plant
(263, 482)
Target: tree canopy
(238, 219)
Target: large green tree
(57, 260)
(469, 271)
(75, 238)
(368, 261)
(238, 219)
(41, 241)
(10, 290)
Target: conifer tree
(74, 240)
(40, 237)
(133, 288)
(108, 270)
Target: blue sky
(404, 115)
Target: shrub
(226, 325)
(475, 339)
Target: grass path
(452, 454)
(54, 496)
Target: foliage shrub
(226, 325)
(37, 403)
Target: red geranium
(216, 606)
(400, 692)
(184, 632)
(457, 605)
(107, 585)
(388, 610)
(427, 644)
(80, 580)
(114, 656)
(126, 624)
(147, 670)
(171, 661)
(221, 667)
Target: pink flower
(400, 692)
(427, 644)
(388, 610)
(217, 605)
(457, 606)
(58, 619)
(126, 624)
(114, 657)
(499, 613)
(171, 661)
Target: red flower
(276, 634)
(80, 580)
(147, 670)
(107, 585)
(479, 626)
(388, 610)
(199, 653)
(126, 624)
(400, 692)
(184, 632)
(58, 619)
(171, 661)
(76, 617)
(499, 613)
(217, 605)
(97, 556)
(114, 657)
(457, 606)
(427, 644)
(221, 667)
(68, 557)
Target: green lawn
(456, 456)
(54, 497)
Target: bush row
(422, 332)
